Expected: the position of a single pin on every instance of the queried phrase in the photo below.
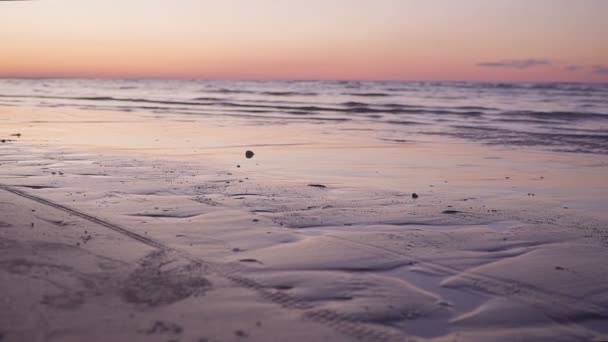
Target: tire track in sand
(522, 292)
(339, 322)
(124, 231)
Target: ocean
(565, 117)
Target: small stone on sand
(414, 195)
(249, 154)
(240, 333)
(451, 212)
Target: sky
(474, 40)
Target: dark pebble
(451, 212)
(317, 185)
(414, 195)
(249, 154)
(240, 333)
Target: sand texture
(122, 231)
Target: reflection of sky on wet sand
(333, 154)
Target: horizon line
(209, 79)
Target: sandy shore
(122, 229)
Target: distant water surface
(556, 116)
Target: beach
(379, 212)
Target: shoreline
(351, 260)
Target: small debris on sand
(317, 186)
(160, 327)
(238, 166)
(240, 333)
(249, 154)
(85, 238)
(559, 268)
(16, 135)
(450, 212)
(415, 195)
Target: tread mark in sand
(339, 322)
(502, 287)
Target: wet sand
(121, 228)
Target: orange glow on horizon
(393, 40)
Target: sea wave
(559, 116)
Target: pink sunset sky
(477, 40)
